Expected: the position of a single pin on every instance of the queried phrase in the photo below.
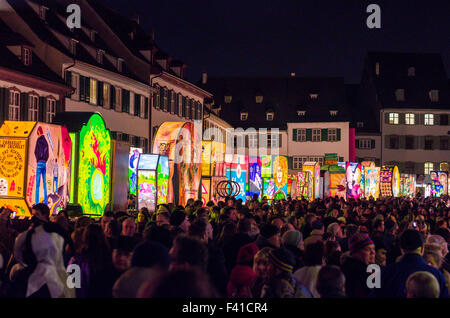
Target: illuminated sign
(132, 168)
(337, 185)
(313, 169)
(146, 190)
(268, 188)
(407, 185)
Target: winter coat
(307, 276)
(241, 279)
(356, 276)
(231, 248)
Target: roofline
(188, 85)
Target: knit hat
(292, 238)
(317, 225)
(269, 230)
(411, 240)
(148, 254)
(247, 253)
(282, 259)
(177, 217)
(359, 241)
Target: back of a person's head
(83, 222)
(244, 225)
(330, 280)
(190, 251)
(158, 234)
(422, 285)
(411, 240)
(149, 254)
(183, 284)
(226, 210)
(108, 214)
(350, 230)
(197, 228)
(43, 209)
(314, 254)
(115, 227)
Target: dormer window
(377, 68)
(434, 95)
(73, 46)
(313, 96)
(269, 116)
(301, 112)
(26, 56)
(360, 124)
(43, 12)
(93, 33)
(244, 116)
(228, 99)
(120, 64)
(259, 99)
(131, 34)
(412, 71)
(100, 54)
(333, 112)
(400, 95)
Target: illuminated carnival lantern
(389, 181)
(237, 172)
(35, 160)
(334, 181)
(407, 185)
(371, 182)
(314, 169)
(133, 159)
(213, 169)
(255, 183)
(354, 174)
(439, 183)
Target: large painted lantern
(181, 142)
(120, 151)
(334, 181)
(35, 161)
(152, 181)
(389, 181)
(372, 182)
(213, 169)
(238, 173)
(354, 174)
(439, 183)
(314, 169)
(132, 168)
(407, 185)
(254, 180)
(305, 185)
(280, 176)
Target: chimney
(204, 78)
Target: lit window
(26, 56)
(298, 162)
(301, 112)
(443, 166)
(332, 134)
(93, 92)
(434, 95)
(411, 71)
(410, 119)
(428, 167)
(313, 96)
(51, 110)
(258, 99)
(333, 112)
(400, 95)
(14, 105)
(119, 64)
(73, 46)
(360, 124)
(228, 99)
(106, 97)
(365, 144)
(393, 118)
(316, 134)
(429, 119)
(253, 141)
(301, 134)
(244, 116)
(269, 116)
(33, 108)
(377, 68)
(100, 54)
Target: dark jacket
(216, 268)
(262, 242)
(298, 256)
(356, 275)
(41, 149)
(231, 248)
(394, 276)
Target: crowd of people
(233, 249)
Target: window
(365, 144)
(316, 159)
(360, 124)
(143, 111)
(73, 46)
(180, 105)
(33, 108)
(316, 134)
(244, 116)
(14, 105)
(377, 68)
(43, 12)
(443, 166)
(444, 119)
(51, 110)
(137, 105)
(332, 134)
(93, 92)
(333, 112)
(125, 101)
(301, 112)
(26, 56)
(393, 118)
(269, 116)
(313, 96)
(187, 107)
(429, 119)
(120, 64)
(298, 162)
(106, 96)
(428, 143)
(100, 54)
(253, 140)
(259, 99)
(393, 142)
(410, 119)
(400, 95)
(434, 95)
(411, 71)
(409, 142)
(76, 86)
(443, 143)
(228, 99)
(165, 99)
(301, 134)
(118, 99)
(428, 167)
(192, 114)
(172, 108)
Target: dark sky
(275, 38)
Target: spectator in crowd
(422, 285)
(335, 232)
(236, 241)
(188, 252)
(242, 275)
(293, 241)
(316, 233)
(269, 237)
(314, 259)
(331, 282)
(179, 222)
(163, 218)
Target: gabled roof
(283, 96)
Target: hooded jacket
(41, 149)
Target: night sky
(275, 38)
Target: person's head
(317, 225)
(179, 219)
(231, 212)
(378, 225)
(293, 238)
(246, 254)
(128, 227)
(314, 254)
(163, 218)
(41, 212)
(440, 241)
(230, 201)
(198, 230)
(121, 252)
(362, 248)
(286, 227)
(261, 264)
(188, 252)
(282, 261)
(350, 230)
(411, 242)
(380, 251)
(335, 230)
(197, 204)
(272, 234)
(150, 254)
(244, 226)
(310, 218)
(278, 222)
(107, 217)
(432, 255)
(422, 285)
(113, 229)
(330, 281)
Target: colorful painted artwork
(280, 176)
(12, 167)
(94, 172)
(389, 181)
(163, 179)
(238, 173)
(305, 185)
(255, 180)
(266, 166)
(439, 183)
(73, 166)
(206, 158)
(268, 188)
(132, 168)
(206, 190)
(314, 170)
(337, 185)
(372, 182)
(146, 190)
(355, 180)
(407, 185)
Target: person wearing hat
(242, 275)
(316, 234)
(394, 276)
(269, 236)
(282, 284)
(293, 241)
(362, 253)
(179, 223)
